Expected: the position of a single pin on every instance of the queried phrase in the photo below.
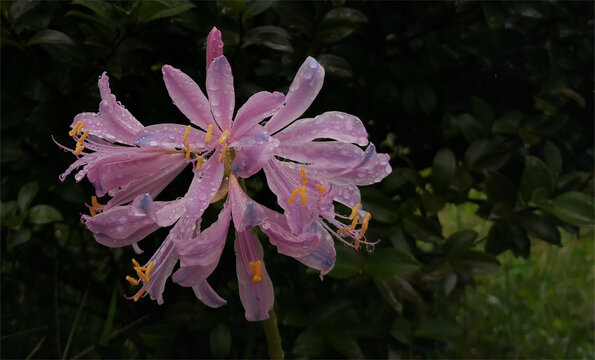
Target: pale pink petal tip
(214, 45)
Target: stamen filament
(354, 211)
(222, 156)
(209, 133)
(223, 137)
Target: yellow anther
(364, 225)
(136, 264)
(222, 156)
(209, 133)
(187, 151)
(132, 280)
(321, 188)
(354, 222)
(256, 270)
(343, 230)
(92, 211)
(354, 211)
(200, 160)
(80, 128)
(298, 190)
(303, 174)
(185, 139)
(140, 293)
(75, 129)
(82, 138)
(95, 204)
(356, 244)
(148, 271)
(78, 150)
(141, 274)
(223, 137)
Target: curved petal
(302, 92)
(205, 293)
(253, 150)
(372, 169)
(170, 135)
(257, 297)
(165, 259)
(330, 158)
(113, 122)
(214, 45)
(221, 92)
(188, 98)
(257, 108)
(323, 257)
(330, 125)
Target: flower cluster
(311, 165)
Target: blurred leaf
(220, 341)
(102, 8)
(508, 123)
(486, 155)
(500, 189)
(343, 14)
(474, 262)
(335, 65)
(426, 98)
(471, 128)
(573, 207)
(61, 233)
(494, 16)
(401, 330)
(6, 209)
(26, 195)
(539, 227)
(296, 14)
(443, 169)
(390, 293)
(482, 110)
(432, 203)
(553, 157)
(308, 343)
(17, 237)
(158, 9)
(387, 262)
(19, 8)
(506, 235)
(460, 240)
(347, 263)
(546, 107)
(437, 329)
(273, 37)
(157, 336)
(43, 214)
(255, 7)
(536, 174)
(339, 23)
(48, 36)
(345, 345)
(422, 228)
(109, 319)
(375, 202)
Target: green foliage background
(486, 109)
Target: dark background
(483, 106)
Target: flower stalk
(271, 331)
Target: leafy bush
(486, 109)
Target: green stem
(271, 330)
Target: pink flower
(310, 164)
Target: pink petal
(214, 45)
(253, 150)
(330, 158)
(170, 135)
(330, 125)
(347, 195)
(188, 98)
(258, 297)
(221, 92)
(372, 169)
(302, 92)
(113, 122)
(257, 108)
(205, 293)
(165, 259)
(323, 257)
(204, 186)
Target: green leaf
(437, 329)
(44, 214)
(553, 157)
(539, 227)
(102, 8)
(486, 155)
(500, 189)
(504, 235)
(344, 14)
(443, 169)
(345, 345)
(7, 208)
(48, 36)
(255, 7)
(462, 239)
(109, 319)
(432, 203)
(308, 343)
(474, 262)
(26, 195)
(426, 97)
(536, 175)
(494, 16)
(401, 330)
(297, 15)
(389, 292)
(574, 207)
(387, 262)
(422, 228)
(220, 341)
(347, 263)
(471, 128)
(482, 110)
(20, 7)
(339, 23)
(273, 37)
(17, 237)
(160, 9)
(61, 233)
(508, 123)
(335, 65)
